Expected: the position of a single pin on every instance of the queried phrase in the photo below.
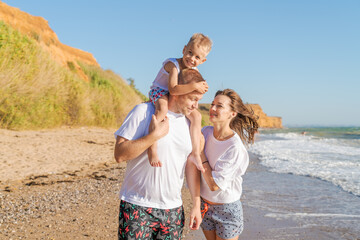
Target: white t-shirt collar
(174, 115)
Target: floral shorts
(137, 222)
(157, 93)
(226, 219)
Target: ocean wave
(329, 159)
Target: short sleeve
(231, 164)
(205, 131)
(136, 123)
(173, 61)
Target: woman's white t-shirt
(229, 161)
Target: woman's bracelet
(205, 161)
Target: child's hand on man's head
(202, 87)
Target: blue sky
(298, 59)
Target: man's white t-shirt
(229, 161)
(157, 187)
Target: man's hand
(195, 218)
(159, 128)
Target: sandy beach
(60, 184)
(64, 183)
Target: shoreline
(297, 207)
(75, 200)
(285, 206)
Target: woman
(225, 160)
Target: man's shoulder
(145, 105)
(140, 112)
(144, 108)
(135, 123)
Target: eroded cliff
(266, 121)
(38, 29)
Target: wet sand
(64, 183)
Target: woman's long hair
(245, 122)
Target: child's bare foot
(196, 159)
(153, 159)
(155, 162)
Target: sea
(331, 154)
(302, 183)
(307, 180)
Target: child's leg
(161, 108)
(195, 132)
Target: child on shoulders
(166, 82)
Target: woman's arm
(208, 173)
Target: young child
(166, 82)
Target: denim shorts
(226, 219)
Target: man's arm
(129, 149)
(193, 181)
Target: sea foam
(336, 160)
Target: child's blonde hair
(202, 41)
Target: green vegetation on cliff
(36, 92)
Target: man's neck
(172, 105)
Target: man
(151, 204)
